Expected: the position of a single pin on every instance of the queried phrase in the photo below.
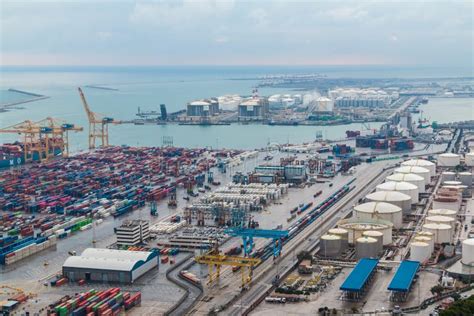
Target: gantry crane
(215, 260)
(248, 234)
(31, 138)
(98, 124)
(57, 132)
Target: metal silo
(366, 247)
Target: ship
(12, 155)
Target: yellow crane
(98, 124)
(57, 132)
(31, 138)
(216, 260)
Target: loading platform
(356, 284)
(403, 280)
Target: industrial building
(288, 173)
(202, 108)
(132, 233)
(253, 109)
(109, 265)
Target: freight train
(188, 276)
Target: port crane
(58, 132)
(31, 139)
(98, 124)
(214, 259)
(248, 235)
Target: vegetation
(304, 255)
(437, 290)
(460, 308)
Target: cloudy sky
(206, 32)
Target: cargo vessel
(13, 154)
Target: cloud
(221, 39)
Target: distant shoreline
(35, 97)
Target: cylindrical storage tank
(376, 235)
(468, 252)
(425, 239)
(440, 220)
(357, 227)
(442, 212)
(399, 199)
(423, 172)
(442, 233)
(410, 178)
(420, 251)
(448, 160)
(379, 210)
(344, 234)
(330, 246)
(450, 203)
(452, 183)
(448, 176)
(421, 163)
(366, 247)
(469, 159)
(466, 178)
(403, 187)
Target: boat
(12, 155)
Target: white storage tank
(376, 235)
(423, 172)
(412, 178)
(403, 187)
(468, 252)
(379, 210)
(448, 176)
(445, 202)
(343, 233)
(366, 247)
(452, 183)
(420, 251)
(466, 178)
(357, 227)
(440, 220)
(448, 160)
(442, 212)
(442, 233)
(469, 159)
(425, 239)
(421, 163)
(330, 246)
(399, 199)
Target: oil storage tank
(469, 159)
(330, 246)
(468, 252)
(448, 176)
(425, 239)
(379, 210)
(420, 251)
(403, 187)
(421, 163)
(357, 227)
(448, 160)
(447, 202)
(442, 233)
(376, 235)
(366, 247)
(466, 178)
(422, 172)
(344, 234)
(399, 199)
(442, 212)
(452, 183)
(412, 178)
(439, 219)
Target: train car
(190, 277)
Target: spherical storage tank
(469, 159)
(412, 178)
(379, 210)
(357, 227)
(468, 252)
(330, 246)
(440, 220)
(448, 176)
(399, 199)
(448, 160)
(442, 212)
(344, 234)
(442, 233)
(422, 172)
(421, 163)
(466, 178)
(403, 187)
(420, 251)
(366, 247)
(376, 235)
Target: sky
(205, 32)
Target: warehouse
(109, 265)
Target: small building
(109, 265)
(290, 173)
(132, 233)
(253, 109)
(202, 108)
(305, 267)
